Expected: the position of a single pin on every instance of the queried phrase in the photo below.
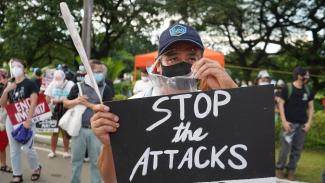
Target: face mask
(82, 68)
(144, 78)
(180, 69)
(17, 72)
(99, 77)
(263, 83)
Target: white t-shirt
(59, 93)
(141, 86)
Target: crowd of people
(180, 55)
(61, 93)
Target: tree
(35, 32)
(120, 18)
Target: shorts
(3, 140)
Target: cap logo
(177, 30)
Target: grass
(310, 166)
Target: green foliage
(124, 88)
(114, 68)
(316, 136)
(120, 97)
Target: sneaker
(66, 155)
(51, 155)
(86, 160)
(291, 175)
(279, 173)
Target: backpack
(290, 89)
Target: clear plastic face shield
(175, 75)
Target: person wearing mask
(263, 78)
(296, 108)
(56, 93)
(143, 84)
(81, 73)
(180, 54)
(3, 134)
(86, 139)
(17, 89)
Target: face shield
(179, 64)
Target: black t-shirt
(38, 82)
(2, 87)
(107, 94)
(296, 105)
(23, 90)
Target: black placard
(232, 137)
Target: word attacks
(192, 158)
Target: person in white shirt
(56, 92)
(143, 84)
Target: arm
(105, 164)
(33, 104)
(285, 123)
(81, 100)
(310, 113)
(102, 123)
(5, 94)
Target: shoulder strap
(80, 89)
(289, 86)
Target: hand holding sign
(104, 122)
(212, 72)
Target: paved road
(57, 170)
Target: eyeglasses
(174, 56)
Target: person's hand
(27, 124)
(306, 127)
(103, 122)
(82, 100)
(11, 86)
(286, 126)
(215, 75)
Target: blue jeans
(15, 151)
(85, 140)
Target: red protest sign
(18, 112)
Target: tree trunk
(86, 25)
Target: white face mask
(263, 83)
(17, 72)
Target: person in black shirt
(86, 138)
(17, 89)
(296, 110)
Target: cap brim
(178, 40)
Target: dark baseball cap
(178, 32)
(299, 71)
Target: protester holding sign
(179, 60)
(56, 93)
(20, 88)
(296, 110)
(86, 139)
(3, 134)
